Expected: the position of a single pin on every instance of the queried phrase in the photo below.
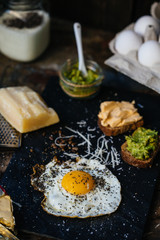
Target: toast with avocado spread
(141, 147)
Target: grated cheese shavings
(72, 155)
(105, 152)
(91, 129)
(62, 137)
(80, 134)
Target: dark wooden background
(109, 15)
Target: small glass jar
(24, 29)
(81, 91)
(23, 5)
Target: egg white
(103, 199)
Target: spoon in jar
(78, 36)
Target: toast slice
(128, 158)
(109, 131)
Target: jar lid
(23, 5)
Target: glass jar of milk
(24, 30)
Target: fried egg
(84, 188)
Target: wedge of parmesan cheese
(25, 110)
(6, 212)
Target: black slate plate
(137, 184)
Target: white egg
(80, 189)
(149, 53)
(127, 41)
(143, 22)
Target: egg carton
(129, 65)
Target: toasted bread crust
(109, 131)
(128, 158)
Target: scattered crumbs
(51, 137)
(26, 135)
(43, 134)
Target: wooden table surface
(36, 74)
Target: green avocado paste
(76, 76)
(142, 143)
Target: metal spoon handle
(78, 36)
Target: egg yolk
(78, 182)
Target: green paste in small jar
(77, 77)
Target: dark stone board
(137, 184)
